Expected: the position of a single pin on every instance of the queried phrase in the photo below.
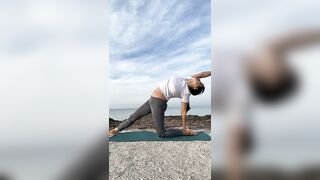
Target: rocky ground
(193, 122)
(160, 160)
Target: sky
(150, 41)
(52, 64)
(289, 128)
(243, 25)
(53, 81)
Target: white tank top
(175, 87)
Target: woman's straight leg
(143, 110)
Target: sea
(122, 114)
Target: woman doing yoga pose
(174, 87)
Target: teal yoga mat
(152, 136)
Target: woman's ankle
(186, 132)
(115, 131)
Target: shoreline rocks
(193, 122)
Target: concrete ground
(160, 160)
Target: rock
(193, 122)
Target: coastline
(193, 122)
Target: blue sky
(150, 41)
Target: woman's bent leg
(139, 113)
(158, 107)
(171, 133)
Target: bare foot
(113, 132)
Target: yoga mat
(152, 136)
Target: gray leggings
(157, 107)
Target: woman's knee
(161, 134)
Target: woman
(175, 87)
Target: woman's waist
(157, 93)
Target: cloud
(246, 25)
(153, 40)
(53, 68)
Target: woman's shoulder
(178, 78)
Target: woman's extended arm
(203, 74)
(185, 130)
(184, 114)
(293, 40)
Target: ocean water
(121, 114)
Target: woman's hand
(188, 132)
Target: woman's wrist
(184, 130)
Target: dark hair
(198, 91)
(278, 91)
